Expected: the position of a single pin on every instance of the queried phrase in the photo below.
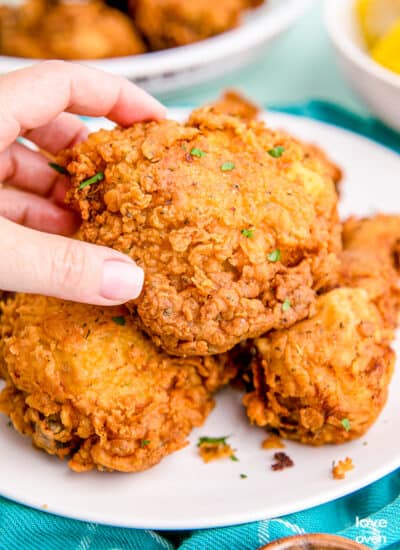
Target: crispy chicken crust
(201, 206)
(337, 365)
(333, 367)
(370, 260)
(83, 382)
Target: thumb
(39, 263)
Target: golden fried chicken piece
(340, 358)
(71, 30)
(370, 260)
(170, 23)
(234, 228)
(84, 382)
(380, 233)
(324, 380)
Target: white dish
(184, 493)
(379, 87)
(168, 70)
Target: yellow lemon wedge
(387, 50)
(376, 18)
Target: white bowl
(379, 87)
(178, 68)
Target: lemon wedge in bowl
(376, 18)
(387, 50)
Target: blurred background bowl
(178, 68)
(379, 87)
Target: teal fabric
(378, 505)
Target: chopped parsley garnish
(346, 424)
(196, 152)
(144, 442)
(119, 320)
(59, 169)
(94, 179)
(249, 233)
(286, 305)
(275, 255)
(227, 166)
(215, 440)
(234, 458)
(276, 152)
(243, 476)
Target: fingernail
(121, 281)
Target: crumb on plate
(215, 448)
(340, 469)
(282, 461)
(273, 442)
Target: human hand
(37, 103)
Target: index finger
(32, 97)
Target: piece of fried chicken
(325, 380)
(234, 224)
(171, 23)
(370, 260)
(67, 30)
(83, 382)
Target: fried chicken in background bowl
(235, 225)
(326, 379)
(45, 29)
(172, 23)
(84, 383)
(70, 30)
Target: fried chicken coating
(370, 260)
(70, 30)
(338, 364)
(324, 380)
(171, 23)
(83, 382)
(235, 227)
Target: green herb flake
(59, 169)
(119, 320)
(249, 233)
(346, 424)
(234, 458)
(274, 256)
(227, 166)
(144, 443)
(286, 305)
(243, 476)
(196, 152)
(276, 152)
(215, 440)
(90, 181)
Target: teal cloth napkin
(370, 516)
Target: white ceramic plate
(176, 68)
(184, 493)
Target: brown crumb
(340, 469)
(45, 506)
(282, 461)
(273, 442)
(215, 451)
